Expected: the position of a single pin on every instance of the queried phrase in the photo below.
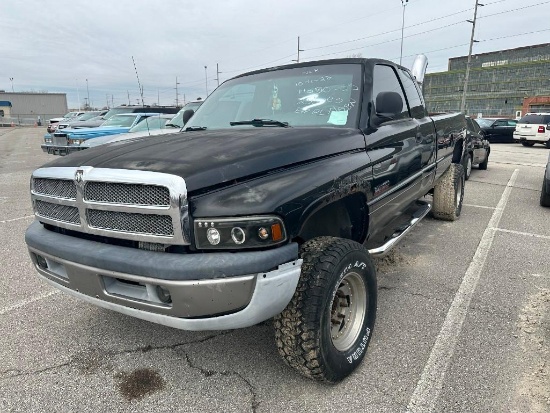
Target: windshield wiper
(261, 122)
(194, 128)
(172, 125)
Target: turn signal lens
(276, 232)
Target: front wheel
(449, 193)
(326, 328)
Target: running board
(401, 232)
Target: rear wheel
(326, 328)
(467, 165)
(527, 143)
(449, 193)
(544, 195)
(483, 165)
(547, 144)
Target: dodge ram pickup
(271, 204)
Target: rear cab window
(535, 119)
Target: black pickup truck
(271, 204)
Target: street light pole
(297, 60)
(403, 3)
(467, 75)
(206, 80)
(88, 93)
(11, 80)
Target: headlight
(76, 141)
(246, 232)
(47, 140)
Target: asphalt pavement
(463, 322)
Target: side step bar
(401, 232)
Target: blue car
(68, 140)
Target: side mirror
(188, 114)
(388, 105)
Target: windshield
(484, 123)
(87, 116)
(535, 119)
(116, 111)
(150, 123)
(323, 95)
(124, 121)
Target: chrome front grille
(137, 194)
(136, 205)
(131, 222)
(59, 188)
(57, 212)
(59, 140)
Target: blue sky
(57, 45)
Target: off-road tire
(305, 332)
(544, 195)
(527, 143)
(483, 165)
(449, 193)
(467, 165)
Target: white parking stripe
(429, 386)
(528, 234)
(23, 303)
(16, 219)
(478, 206)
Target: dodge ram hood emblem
(78, 175)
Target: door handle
(419, 137)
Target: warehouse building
(506, 83)
(24, 108)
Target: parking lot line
(16, 219)
(23, 303)
(528, 234)
(479, 206)
(429, 386)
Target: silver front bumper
(215, 304)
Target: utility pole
(158, 97)
(206, 80)
(11, 80)
(128, 92)
(88, 93)
(107, 97)
(177, 97)
(77, 93)
(218, 74)
(404, 4)
(297, 60)
(113, 101)
(467, 75)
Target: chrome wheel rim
(469, 166)
(348, 311)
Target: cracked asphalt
(60, 354)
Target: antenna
(139, 84)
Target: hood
(88, 133)
(207, 158)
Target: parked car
(498, 130)
(52, 125)
(272, 203)
(533, 128)
(477, 148)
(77, 121)
(94, 123)
(545, 192)
(68, 140)
(152, 126)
